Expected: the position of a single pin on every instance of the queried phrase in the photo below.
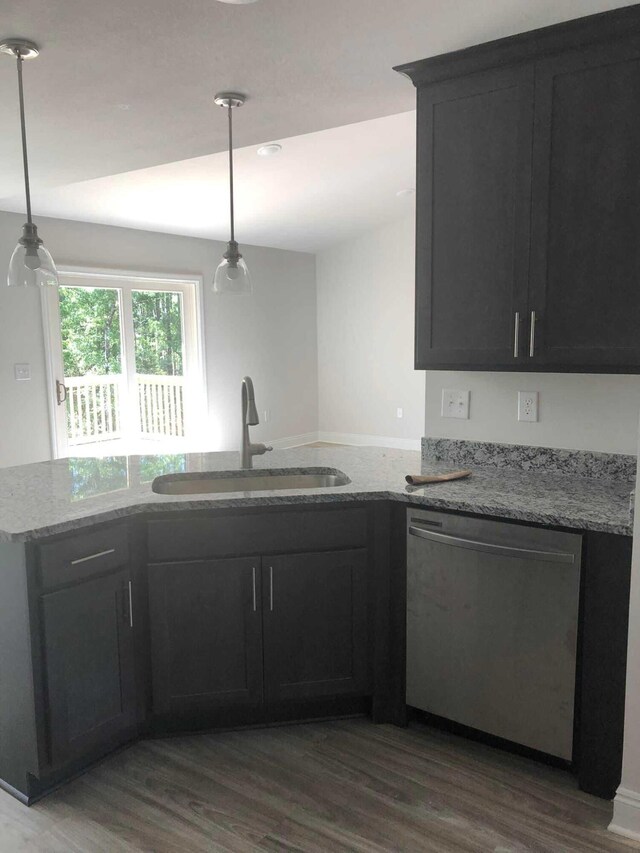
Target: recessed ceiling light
(238, 2)
(406, 192)
(124, 107)
(269, 150)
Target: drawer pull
(93, 556)
(516, 335)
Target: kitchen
(444, 643)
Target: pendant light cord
(230, 108)
(24, 136)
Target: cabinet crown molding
(528, 46)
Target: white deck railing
(161, 406)
(94, 408)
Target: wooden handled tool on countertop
(424, 479)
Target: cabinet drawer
(78, 557)
(260, 533)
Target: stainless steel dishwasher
(492, 621)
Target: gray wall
(365, 336)
(270, 335)
(576, 411)
(365, 347)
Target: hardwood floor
(336, 786)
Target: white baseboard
(293, 440)
(626, 814)
(362, 440)
(356, 439)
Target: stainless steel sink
(248, 481)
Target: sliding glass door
(126, 368)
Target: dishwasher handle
(490, 548)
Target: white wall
(365, 337)
(365, 354)
(576, 411)
(270, 335)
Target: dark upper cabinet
(585, 263)
(206, 635)
(528, 201)
(89, 666)
(473, 209)
(315, 625)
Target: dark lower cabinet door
(472, 219)
(585, 255)
(315, 625)
(206, 635)
(89, 660)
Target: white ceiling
(306, 65)
(323, 187)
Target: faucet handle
(258, 449)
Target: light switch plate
(399, 412)
(22, 372)
(455, 404)
(528, 406)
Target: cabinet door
(206, 635)
(585, 261)
(315, 625)
(89, 659)
(472, 219)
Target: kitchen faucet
(249, 418)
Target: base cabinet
(315, 625)
(232, 635)
(206, 635)
(89, 666)
(255, 617)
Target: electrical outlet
(527, 405)
(399, 412)
(22, 372)
(455, 404)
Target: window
(126, 366)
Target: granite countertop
(67, 494)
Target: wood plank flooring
(336, 786)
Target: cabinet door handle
(270, 587)
(254, 589)
(516, 334)
(532, 335)
(130, 605)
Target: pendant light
(30, 264)
(232, 275)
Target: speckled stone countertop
(68, 494)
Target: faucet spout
(250, 413)
(249, 418)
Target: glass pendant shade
(232, 275)
(31, 265)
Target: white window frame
(191, 288)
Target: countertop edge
(453, 504)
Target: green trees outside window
(92, 338)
